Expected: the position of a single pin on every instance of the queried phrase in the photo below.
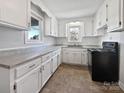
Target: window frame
(81, 27)
(41, 24)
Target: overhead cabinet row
(111, 16)
(17, 14)
(14, 13)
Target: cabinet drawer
(46, 57)
(21, 70)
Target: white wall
(122, 61)
(118, 37)
(10, 38)
(88, 27)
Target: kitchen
(61, 46)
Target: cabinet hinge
(14, 87)
(120, 23)
(106, 5)
(106, 19)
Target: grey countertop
(10, 61)
(81, 47)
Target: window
(75, 30)
(34, 35)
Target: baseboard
(121, 85)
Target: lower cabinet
(29, 83)
(84, 58)
(74, 56)
(31, 76)
(59, 59)
(54, 63)
(46, 71)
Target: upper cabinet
(14, 13)
(88, 28)
(48, 25)
(54, 27)
(115, 15)
(51, 26)
(101, 17)
(62, 31)
(110, 16)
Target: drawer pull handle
(32, 66)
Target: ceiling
(73, 8)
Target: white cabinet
(84, 58)
(14, 13)
(29, 77)
(62, 31)
(74, 56)
(46, 71)
(59, 58)
(110, 16)
(29, 83)
(50, 64)
(47, 25)
(54, 27)
(54, 63)
(115, 8)
(101, 17)
(51, 26)
(88, 28)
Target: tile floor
(76, 79)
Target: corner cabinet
(14, 13)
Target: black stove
(103, 62)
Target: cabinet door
(28, 83)
(55, 63)
(47, 25)
(113, 15)
(15, 12)
(62, 32)
(59, 59)
(56, 28)
(75, 58)
(84, 58)
(88, 29)
(46, 71)
(102, 16)
(65, 57)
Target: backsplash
(85, 41)
(10, 38)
